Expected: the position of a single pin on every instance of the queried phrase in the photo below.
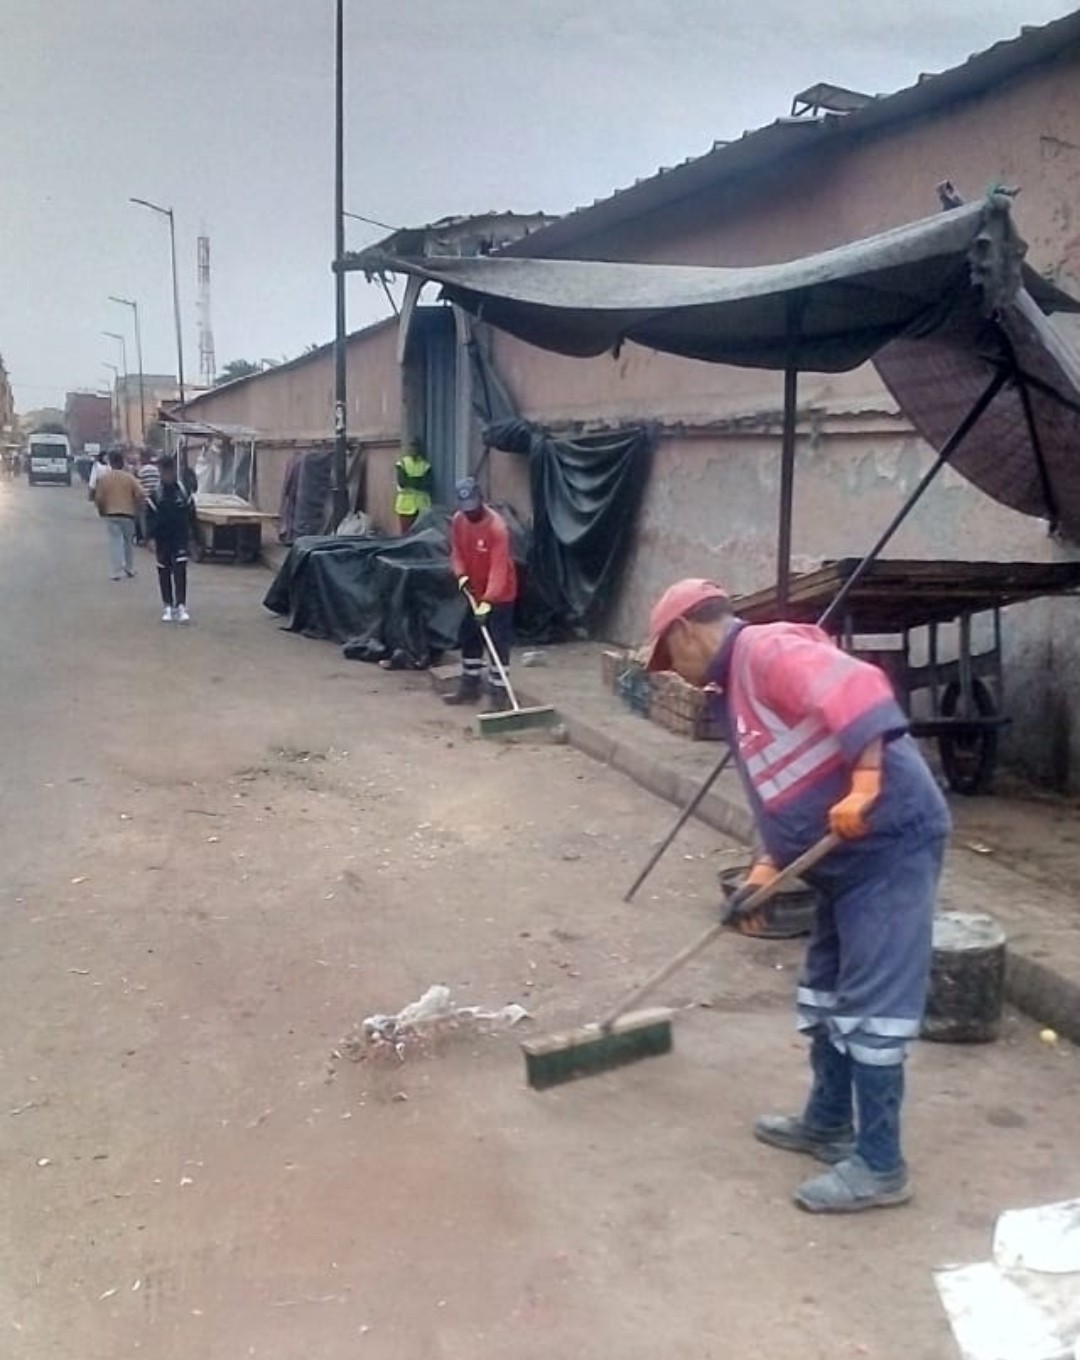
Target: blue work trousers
(867, 967)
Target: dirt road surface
(222, 847)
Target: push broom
(628, 1034)
(516, 718)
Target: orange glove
(847, 818)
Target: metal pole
(950, 446)
(176, 310)
(142, 381)
(794, 311)
(787, 490)
(115, 335)
(341, 443)
(168, 212)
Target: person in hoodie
(169, 526)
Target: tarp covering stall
(922, 287)
(392, 597)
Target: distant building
(89, 419)
(7, 406)
(157, 389)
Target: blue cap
(467, 494)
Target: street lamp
(115, 394)
(127, 302)
(168, 212)
(126, 432)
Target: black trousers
(172, 560)
(474, 656)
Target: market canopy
(946, 307)
(825, 313)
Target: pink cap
(675, 603)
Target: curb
(1033, 988)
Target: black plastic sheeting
(305, 495)
(389, 597)
(586, 494)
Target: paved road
(222, 847)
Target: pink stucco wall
(295, 404)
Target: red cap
(675, 603)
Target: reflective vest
(414, 485)
(791, 694)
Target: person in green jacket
(415, 483)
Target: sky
(223, 110)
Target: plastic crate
(682, 708)
(633, 688)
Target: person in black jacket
(169, 526)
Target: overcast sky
(223, 110)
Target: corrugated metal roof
(759, 147)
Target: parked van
(48, 459)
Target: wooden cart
(229, 527)
(917, 621)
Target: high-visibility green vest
(414, 484)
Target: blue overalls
(863, 985)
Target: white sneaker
(180, 614)
(167, 615)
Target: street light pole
(341, 442)
(168, 212)
(127, 302)
(115, 335)
(115, 404)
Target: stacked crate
(665, 697)
(681, 708)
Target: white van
(48, 459)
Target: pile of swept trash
(420, 1025)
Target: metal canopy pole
(795, 305)
(341, 443)
(1000, 378)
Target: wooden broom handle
(795, 869)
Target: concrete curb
(1045, 996)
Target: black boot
(467, 692)
(825, 1129)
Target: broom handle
(684, 816)
(492, 653)
(795, 869)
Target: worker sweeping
(415, 482)
(822, 745)
(482, 562)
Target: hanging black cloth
(586, 493)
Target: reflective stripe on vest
(780, 759)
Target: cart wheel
(969, 758)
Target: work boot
(875, 1175)
(825, 1129)
(467, 692)
(851, 1186)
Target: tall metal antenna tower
(207, 362)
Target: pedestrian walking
(119, 499)
(149, 477)
(169, 526)
(483, 564)
(415, 482)
(99, 469)
(822, 745)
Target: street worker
(482, 562)
(149, 477)
(169, 524)
(119, 499)
(822, 745)
(415, 483)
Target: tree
(237, 368)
